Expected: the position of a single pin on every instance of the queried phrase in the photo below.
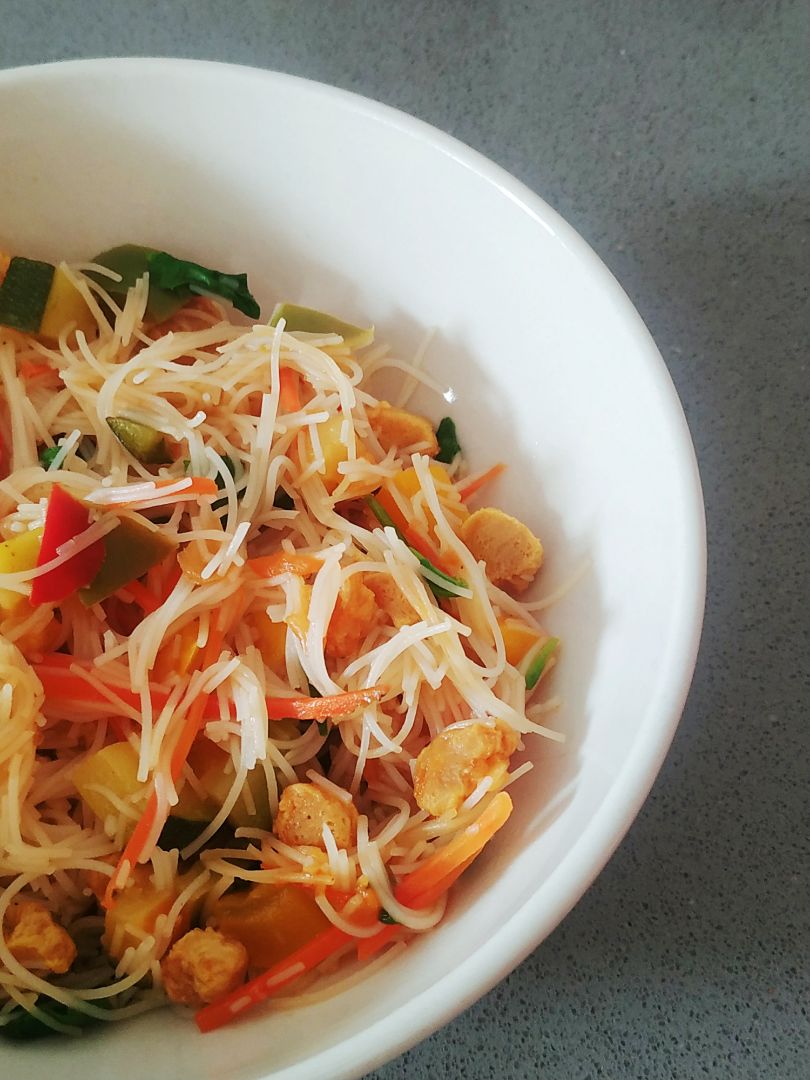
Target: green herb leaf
(447, 440)
(47, 456)
(23, 1027)
(385, 519)
(389, 920)
(323, 727)
(170, 273)
(538, 664)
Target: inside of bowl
(327, 200)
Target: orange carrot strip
(282, 562)
(64, 685)
(441, 866)
(270, 982)
(136, 847)
(468, 490)
(370, 946)
(440, 869)
(143, 597)
(407, 892)
(421, 544)
(289, 398)
(308, 708)
(198, 485)
(30, 370)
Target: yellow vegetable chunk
(518, 638)
(178, 656)
(335, 452)
(137, 909)
(65, 305)
(406, 484)
(19, 553)
(115, 768)
(271, 641)
(212, 767)
(271, 921)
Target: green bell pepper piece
(129, 551)
(310, 321)
(145, 443)
(131, 261)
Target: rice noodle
(193, 698)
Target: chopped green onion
(47, 456)
(382, 515)
(385, 519)
(323, 727)
(448, 442)
(389, 920)
(538, 664)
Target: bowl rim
(527, 927)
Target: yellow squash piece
(137, 910)
(115, 768)
(65, 305)
(518, 638)
(19, 553)
(271, 921)
(211, 765)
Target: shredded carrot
(60, 683)
(30, 370)
(197, 485)
(324, 708)
(419, 889)
(282, 562)
(143, 597)
(370, 946)
(466, 491)
(438, 868)
(289, 397)
(425, 548)
(276, 978)
(136, 849)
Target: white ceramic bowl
(329, 199)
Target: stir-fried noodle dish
(266, 661)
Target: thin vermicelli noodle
(262, 670)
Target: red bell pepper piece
(65, 519)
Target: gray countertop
(674, 136)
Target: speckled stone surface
(675, 135)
